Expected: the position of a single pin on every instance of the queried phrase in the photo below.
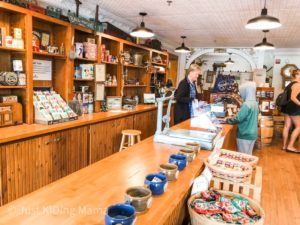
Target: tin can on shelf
(90, 108)
(77, 72)
(91, 98)
(84, 89)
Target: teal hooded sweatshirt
(247, 117)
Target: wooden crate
(251, 188)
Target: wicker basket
(241, 157)
(198, 219)
(232, 175)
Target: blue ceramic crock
(120, 214)
(180, 161)
(157, 188)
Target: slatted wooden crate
(251, 188)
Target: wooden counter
(82, 197)
(18, 132)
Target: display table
(83, 196)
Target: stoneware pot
(120, 214)
(169, 170)
(193, 145)
(139, 197)
(189, 153)
(156, 187)
(179, 160)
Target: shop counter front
(83, 196)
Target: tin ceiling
(206, 23)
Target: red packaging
(36, 8)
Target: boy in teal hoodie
(247, 119)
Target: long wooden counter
(82, 197)
(18, 132)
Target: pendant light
(264, 45)
(264, 21)
(229, 61)
(182, 48)
(142, 31)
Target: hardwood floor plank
(281, 184)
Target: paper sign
(100, 71)
(207, 173)
(42, 69)
(200, 184)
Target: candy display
(230, 210)
(229, 165)
(245, 158)
(229, 169)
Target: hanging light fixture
(229, 61)
(142, 31)
(264, 45)
(264, 21)
(182, 48)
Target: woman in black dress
(292, 113)
(185, 94)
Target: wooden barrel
(278, 125)
(265, 130)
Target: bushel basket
(198, 219)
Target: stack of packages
(234, 210)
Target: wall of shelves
(63, 80)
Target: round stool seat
(131, 132)
(130, 135)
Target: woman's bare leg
(286, 129)
(295, 133)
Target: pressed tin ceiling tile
(206, 23)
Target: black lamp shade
(182, 49)
(229, 61)
(142, 31)
(263, 22)
(264, 45)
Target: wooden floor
(281, 184)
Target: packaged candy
(234, 210)
(240, 203)
(231, 218)
(250, 212)
(207, 208)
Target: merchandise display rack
(63, 80)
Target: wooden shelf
(12, 87)
(111, 86)
(79, 79)
(133, 86)
(59, 56)
(265, 99)
(12, 49)
(134, 66)
(159, 64)
(111, 63)
(86, 60)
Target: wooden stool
(131, 134)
